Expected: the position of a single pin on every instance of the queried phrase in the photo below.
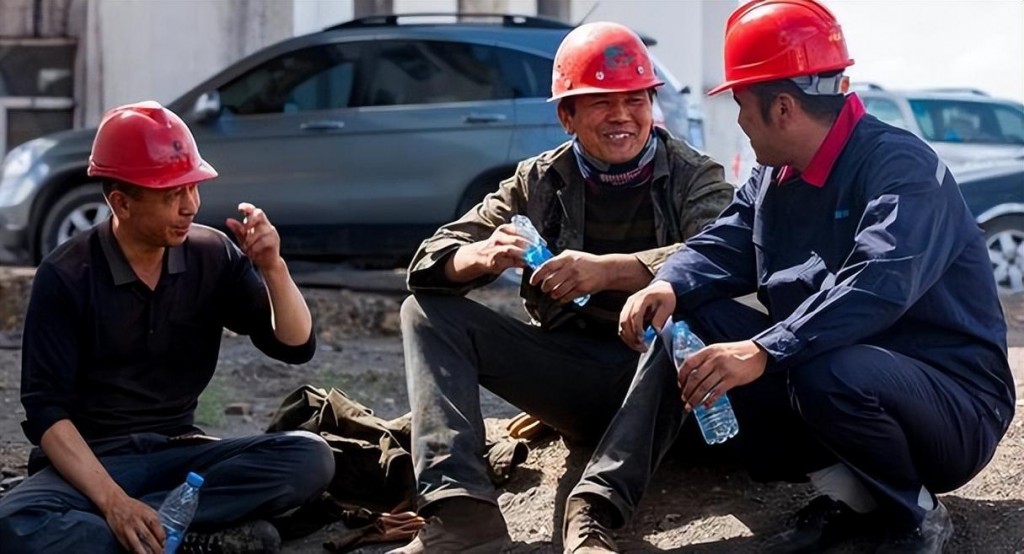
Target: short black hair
(110, 185)
(569, 102)
(824, 108)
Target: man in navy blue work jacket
(880, 369)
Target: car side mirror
(207, 107)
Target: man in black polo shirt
(122, 335)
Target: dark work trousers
(453, 345)
(896, 422)
(245, 479)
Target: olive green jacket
(689, 191)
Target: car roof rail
(507, 20)
(959, 90)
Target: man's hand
(136, 525)
(504, 249)
(572, 274)
(653, 304)
(257, 238)
(717, 368)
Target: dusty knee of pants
(314, 468)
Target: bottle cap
(649, 334)
(194, 479)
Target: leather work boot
(822, 523)
(928, 538)
(460, 525)
(252, 537)
(587, 525)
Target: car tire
(1004, 238)
(76, 211)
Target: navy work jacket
(872, 245)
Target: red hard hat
(767, 40)
(146, 144)
(601, 57)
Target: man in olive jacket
(613, 204)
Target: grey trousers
(571, 381)
(246, 478)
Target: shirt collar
(824, 159)
(120, 269)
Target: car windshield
(969, 122)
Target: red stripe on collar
(824, 159)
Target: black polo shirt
(104, 351)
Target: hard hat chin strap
(817, 85)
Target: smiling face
(612, 127)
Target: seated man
(122, 335)
(614, 203)
(880, 369)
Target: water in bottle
(718, 422)
(538, 251)
(177, 511)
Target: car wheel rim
(81, 219)
(1006, 252)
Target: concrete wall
(158, 49)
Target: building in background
(64, 62)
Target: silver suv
(967, 128)
(359, 140)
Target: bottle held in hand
(537, 253)
(717, 422)
(177, 511)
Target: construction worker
(122, 335)
(880, 368)
(613, 203)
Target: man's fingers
(544, 273)
(148, 540)
(237, 229)
(662, 312)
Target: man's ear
(784, 110)
(565, 118)
(119, 203)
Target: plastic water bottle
(177, 511)
(538, 251)
(718, 422)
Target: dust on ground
(687, 509)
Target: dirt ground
(687, 509)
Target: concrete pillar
(364, 8)
(483, 6)
(555, 9)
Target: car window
(1011, 123)
(311, 79)
(966, 122)
(885, 110)
(529, 76)
(430, 72)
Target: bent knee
(411, 313)
(314, 468)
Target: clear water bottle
(177, 511)
(718, 422)
(538, 251)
